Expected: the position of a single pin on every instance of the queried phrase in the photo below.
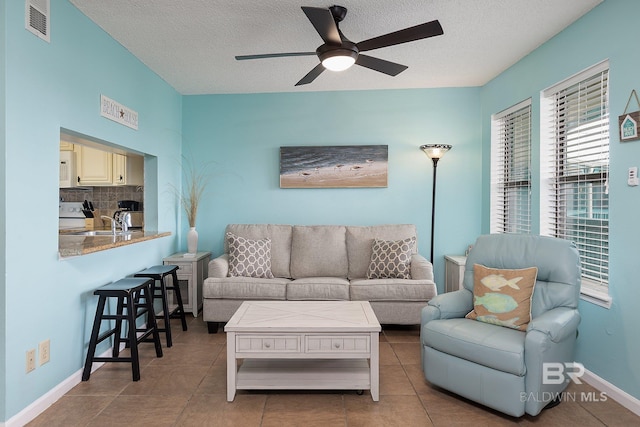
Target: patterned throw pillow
(391, 259)
(503, 297)
(249, 258)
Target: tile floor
(187, 387)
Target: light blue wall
(45, 87)
(3, 241)
(242, 134)
(49, 86)
(609, 342)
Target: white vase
(192, 241)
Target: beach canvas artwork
(341, 166)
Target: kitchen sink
(100, 233)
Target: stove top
(71, 210)
(70, 215)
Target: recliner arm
(450, 305)
(557, 323)
(550, 338)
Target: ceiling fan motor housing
(346, 49)
(338, 58)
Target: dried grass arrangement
(195, 183)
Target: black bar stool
(134, 295)
(159, 273)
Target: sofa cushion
(360, 241)
(249, 258)
(391, 259)
(392, 290)
(280, 236)
(318, 251)
(488, 345)
(503, 297)
(318, 289)
(249, 288)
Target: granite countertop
(71, 245)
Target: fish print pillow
(503, 297)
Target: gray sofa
(321, 262)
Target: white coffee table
(296, 345)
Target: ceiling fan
(339, 53)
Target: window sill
(595, 296)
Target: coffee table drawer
(267, 343)
(337, 344)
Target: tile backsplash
(104, 199)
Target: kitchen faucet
(113, 222)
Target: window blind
(511, 170)
(578, 205)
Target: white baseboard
(29, 413)
(39, 406)
(620, 396)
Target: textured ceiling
(191, 44)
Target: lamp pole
(435, 153)
(433, 204)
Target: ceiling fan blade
(377, 64)
(311, 75)
(323, 22)
(274, 55)
(422, 31)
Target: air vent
(37, 18)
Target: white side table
(454, 272)
(191, 273)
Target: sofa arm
(557, 323)
(450, 305)
(421, 268)
(219, 267)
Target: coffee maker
(135, 219)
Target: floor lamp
(435, 153)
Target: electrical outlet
(43, 349)
(31, 360)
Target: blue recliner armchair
(496, 366)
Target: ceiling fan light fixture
(338, 59)
(339, 62)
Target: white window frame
(511, 169)
(595, 291)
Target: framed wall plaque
(342, 166)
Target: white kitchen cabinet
(454, 272)
(66, 146)
(94, 167)
(128, 170)
(101, 168)
(191, 273)
(119, 169)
